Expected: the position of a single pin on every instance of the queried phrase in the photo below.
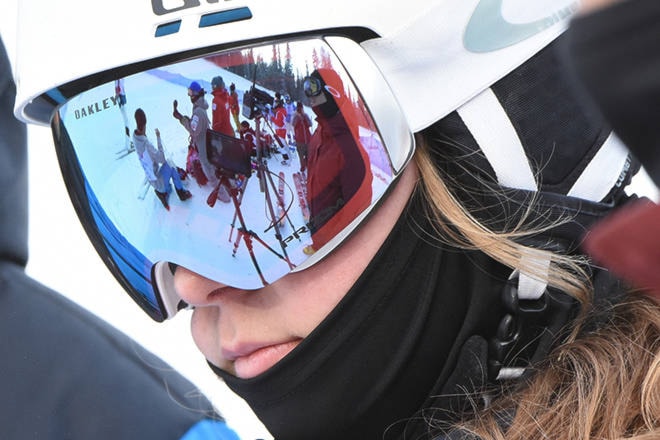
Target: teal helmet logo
(488, 30)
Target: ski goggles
(312, 87)
(178, 184)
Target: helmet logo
(334, 92)
(160, 9)
(488, 30)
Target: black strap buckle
(527, 331)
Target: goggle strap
(169, 301)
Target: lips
(251, 361)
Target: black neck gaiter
(370, 366)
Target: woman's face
(315, 101)
(247, 332)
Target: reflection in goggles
(241, 186)
(312, 87)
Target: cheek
(317, 100)
(313, 293)
(203, 327)
(310, 305)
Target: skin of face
(317, 100)
(247, 332)
(592, 5)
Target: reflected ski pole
(240, 199)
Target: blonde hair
(601, 383)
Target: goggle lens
(265, 200)
(312, 87)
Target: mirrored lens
(312, 87)
(223, 164)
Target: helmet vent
(224, 17)
(207, 20)
(168, 28)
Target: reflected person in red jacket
(220, 107)
(339, 176)
(301, 124)
(278, 118)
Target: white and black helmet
(413, 63)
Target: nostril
(193, 289)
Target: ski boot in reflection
(163, 197)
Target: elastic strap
(491, 127)
(599, 177)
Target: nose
(195, 289)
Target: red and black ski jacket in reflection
(220, 111)
(338, 180)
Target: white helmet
(472, 45)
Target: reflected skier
(158, 171)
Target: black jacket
(613, 53)
(64, 373)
